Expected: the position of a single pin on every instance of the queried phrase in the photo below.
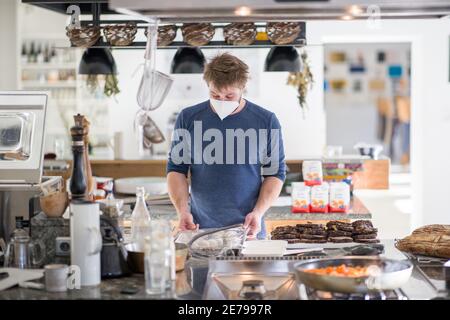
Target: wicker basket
(283, 32)
(197, 34)
(83, 37)
(166, 34)
(120, 34)
(240, 33)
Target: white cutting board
(264, 248)
(327, 245)
(19, 275)
(271, 248)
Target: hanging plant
(111, 87)
(302, 80)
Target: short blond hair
(226, 70)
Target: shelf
(357, 211)
(211, 45)
(215, 44)
(60, 84)
(48, 66)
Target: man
(233, 150)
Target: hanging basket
(120, 34)
(283, 32)
(83, 37)
(166, 34)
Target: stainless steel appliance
(22, 124)
(113, 257)
(251, 279)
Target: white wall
(362, 104)
(430, 101)
(9, 44)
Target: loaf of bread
(431, 240)
(239, 33)
(283, 32)
(197, 34)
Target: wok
(390, 274)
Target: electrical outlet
(62, 245)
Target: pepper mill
(87, 163)
(78, 180)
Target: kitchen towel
(19, 275)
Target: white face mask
(224, 108)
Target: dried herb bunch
(302, 80)
(111, 87)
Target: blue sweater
(226, 173)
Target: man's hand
(187, 222)
(253, 223)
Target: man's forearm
(270, 190)
(178, 191)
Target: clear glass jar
(159, 260)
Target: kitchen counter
(357, 211)
(109, 289)
(417, 288)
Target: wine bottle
(39, 54)
(46, 53)
(32, 54)
(24, 55)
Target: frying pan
(390, 274)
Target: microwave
(22, 132)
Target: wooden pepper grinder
(78, 179)
(81, 120)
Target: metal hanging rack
(96, 11)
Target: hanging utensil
(154, 85)
(151, 132)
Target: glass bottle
(24, 54)
(140, 220)
(31, 54)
